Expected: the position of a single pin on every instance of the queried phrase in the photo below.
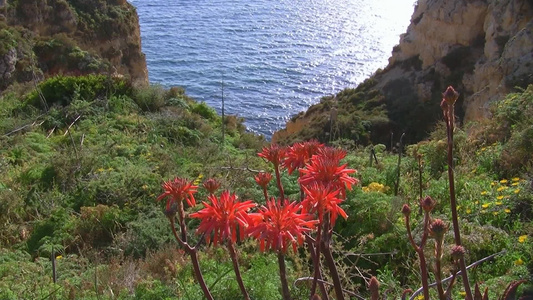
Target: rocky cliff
(40, 38)
(484, 48)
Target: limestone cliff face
(40, 38)
(484, 48)
(499, 34)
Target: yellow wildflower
(507, 211)
(376, 187)
(458, 207)
(504, 181)
(499, 197)
(420, 297)
(515, 183)
(517, 191)
(495, 213)
(501, 188)
(144, 187)
(485, 205)
(365, 189)
(498, 203)
(100, 170)
(483, 149)
(515, 179)
(59, 257)
(518, 262)
(484, 193)
(468, 210)
(493, 183)
(462, 293)
(522, 238)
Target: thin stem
(265, 193)
(194, 259)
(196, 266)
(453, 202)
(283, 276)
(420, 251)
(181, 219)
(278, 182)
(438, 269)
(453, 276)
(310, 245)
(234, 260)
(420, 182)
(330, 262)
(397, 185)
(183, 244)
(316, 261)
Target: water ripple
(275, 58)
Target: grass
(86, 187)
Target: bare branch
(241, 169)
(459, 273)
(68, 128)
(328, 283)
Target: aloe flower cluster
(279, 224)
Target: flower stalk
(235, 261)
(406, 210)
(449, 98)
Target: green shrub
(54, 232)
(205, 111)
(62, 90)
(149, 98)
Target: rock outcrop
(40, 38)
(484, 48)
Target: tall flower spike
(211, 185)
(177, 190)
(300, 153)
(427, 204)
(450, 96)
(222, 217)
(324, 169)
(321, 200)
(280, 225)
(274, 154)
(262, 179)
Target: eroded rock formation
(40, 38)
(484, 48)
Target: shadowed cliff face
(40, 38)
(483, 48)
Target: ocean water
(270, 59)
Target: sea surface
(269, 59)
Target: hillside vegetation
(83, 160)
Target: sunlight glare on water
(275, 58)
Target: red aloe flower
(223, 216)
(262, 179)
(280, 225)
(211, 185)
(177, 190)
(324, 169)
(300, 153)
(335, 154)
(274, 154)
(322, 199)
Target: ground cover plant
(81, 176)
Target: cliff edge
(484, 48)
(41, 38)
